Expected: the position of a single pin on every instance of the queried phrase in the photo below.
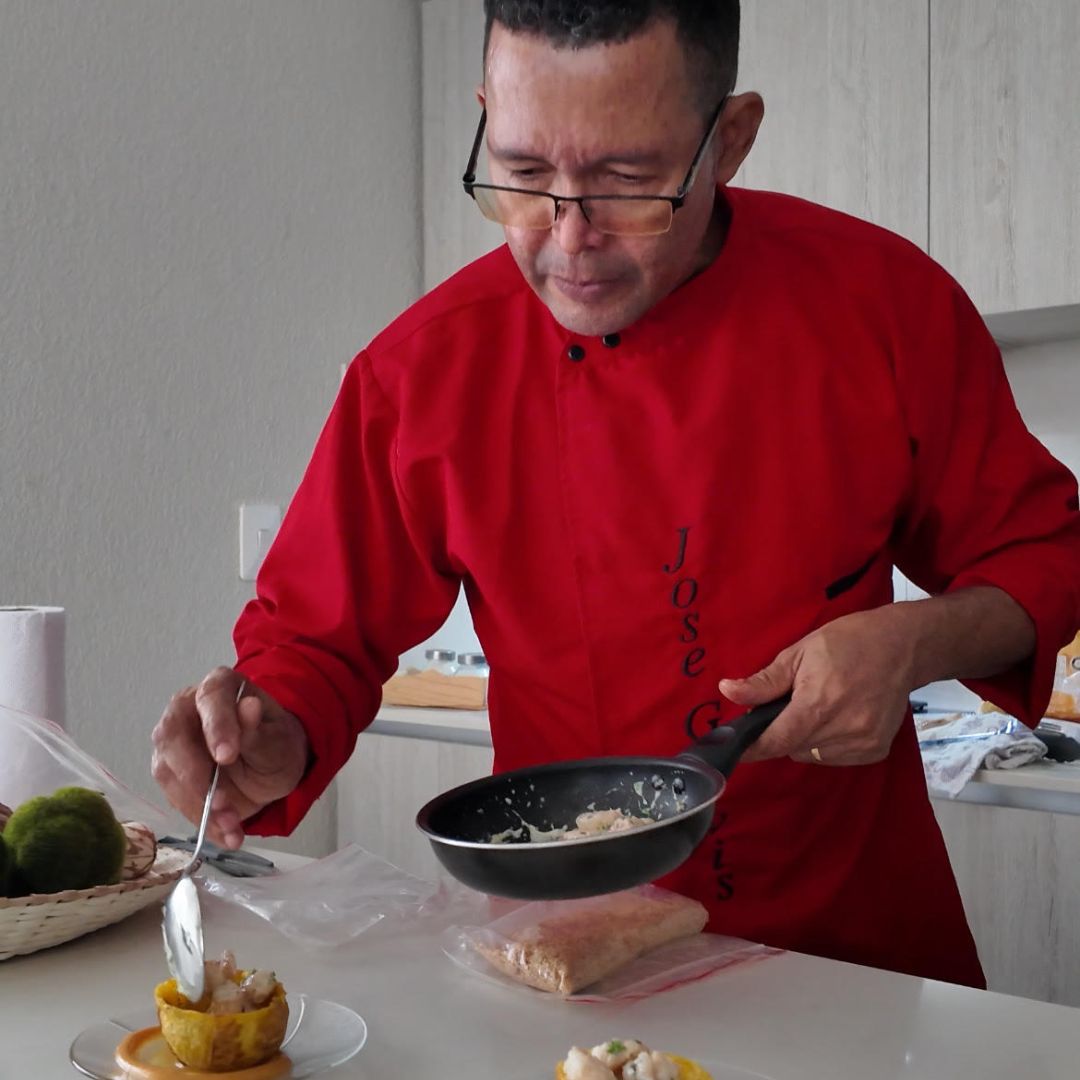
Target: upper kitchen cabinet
(846, 104)
(453, 42)
(1005, 149)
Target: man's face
(605, 119)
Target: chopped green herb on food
(615, 1047)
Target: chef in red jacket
(673, 437)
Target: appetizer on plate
(239, 1021)
(626, 1059)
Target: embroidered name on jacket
(705, 716)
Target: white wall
(205, 208)
(1046, 382)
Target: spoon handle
(210, 797)
(205, 816)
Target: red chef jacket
(635, 517)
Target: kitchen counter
(1052, 786)
(791, 1017)
(1044, 785)
(466, 726)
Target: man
(672, 434)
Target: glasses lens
(518, 209)
(630, 217)
(618, 217)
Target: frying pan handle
(723, 746)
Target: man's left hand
(850, 682)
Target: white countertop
(450, 725)
(1043, 785)
(791, 1017)
(1052, 786)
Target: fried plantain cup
(220, 1042)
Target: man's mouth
(583, 288)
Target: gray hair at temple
(707, 29)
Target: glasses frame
(676, 201)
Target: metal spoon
(181, 922)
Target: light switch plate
(259, 524)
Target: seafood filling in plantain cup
(238, 1023)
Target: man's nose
(572, 230)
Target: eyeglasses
(615, 215)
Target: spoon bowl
(181, 922)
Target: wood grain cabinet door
(1005, 149)
(846, 104)
(384, 784)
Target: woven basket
(39, 921)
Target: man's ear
(739, 125)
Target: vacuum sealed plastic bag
(618, 947)
(334, 899)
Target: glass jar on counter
(441, 661)
(473, 663)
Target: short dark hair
(707, 29)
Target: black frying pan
(678, 792)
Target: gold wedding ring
(815, 753)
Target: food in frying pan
(589, 823)
(626, 1059)
(573, 944)
(595, 822)
(238, 1023)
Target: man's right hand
(261, 748)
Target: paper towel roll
(32, 661)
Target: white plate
(320, 1036)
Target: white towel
(956, 746)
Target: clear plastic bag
(332, 900)
(38, 756)
(687, 958)
(324, 903)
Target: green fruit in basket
(16, 886)
(68, 840)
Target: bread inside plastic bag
(563, 946)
